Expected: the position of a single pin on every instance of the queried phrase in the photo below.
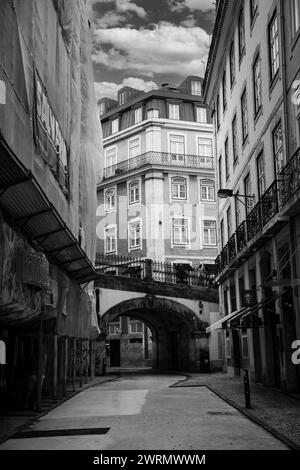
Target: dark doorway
(115, 353)
(174, 349)
(236, 352)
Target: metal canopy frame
(42, 225)
(251, 310)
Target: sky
(141, 43)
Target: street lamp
(225, 193)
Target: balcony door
(177, 148)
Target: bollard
(247, 389)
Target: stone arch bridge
(176, 310)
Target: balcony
(159, 158)
(289, 180)
(267, 215)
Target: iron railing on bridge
(158, 158)
(147, 269)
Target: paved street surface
(143, 412)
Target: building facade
(251, 87)
(129, 343)
(157, 198)
(50, 154)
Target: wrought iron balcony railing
(274, 199)
(232, 248)
(147, 269)
(269, 203)
(241, 236)
(159, 158)
(253, 222)
(289, 179)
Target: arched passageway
(178, 335)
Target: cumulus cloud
(202, 5)
(125, 6)
(165, 49)
(110, 89)
(189, 22)
(110, 19)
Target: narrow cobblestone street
(145, 412)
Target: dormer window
(122, 98)
(196, 88)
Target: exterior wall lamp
(224, 193)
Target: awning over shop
(28, 208)
(218, 325)
(242, 314)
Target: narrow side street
(144, 412)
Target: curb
(281, 437)
(55, 405)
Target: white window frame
(183, 244)
(110, 208)
(274, 51)
(210, 183)
(114, 326)
(135, 323)
(136, 220)
(203, 228)
(182, 178)
(206, 159)
(102, 108)
(107, 150)
(196, 87)
(122, 98)
(113, 122)
(106, 229)
(151, 113)
(174, 111)
(201, 115)
(138, 115)
(176, 157)
(135, 201)
(138, 146)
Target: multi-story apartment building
(251, 70)
(157, 199)
(50, 145)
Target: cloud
(125, 6)
(109, 19)
(189, 22)
(202, 5)
(165, 49)
(128, 5)
(110, 89)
